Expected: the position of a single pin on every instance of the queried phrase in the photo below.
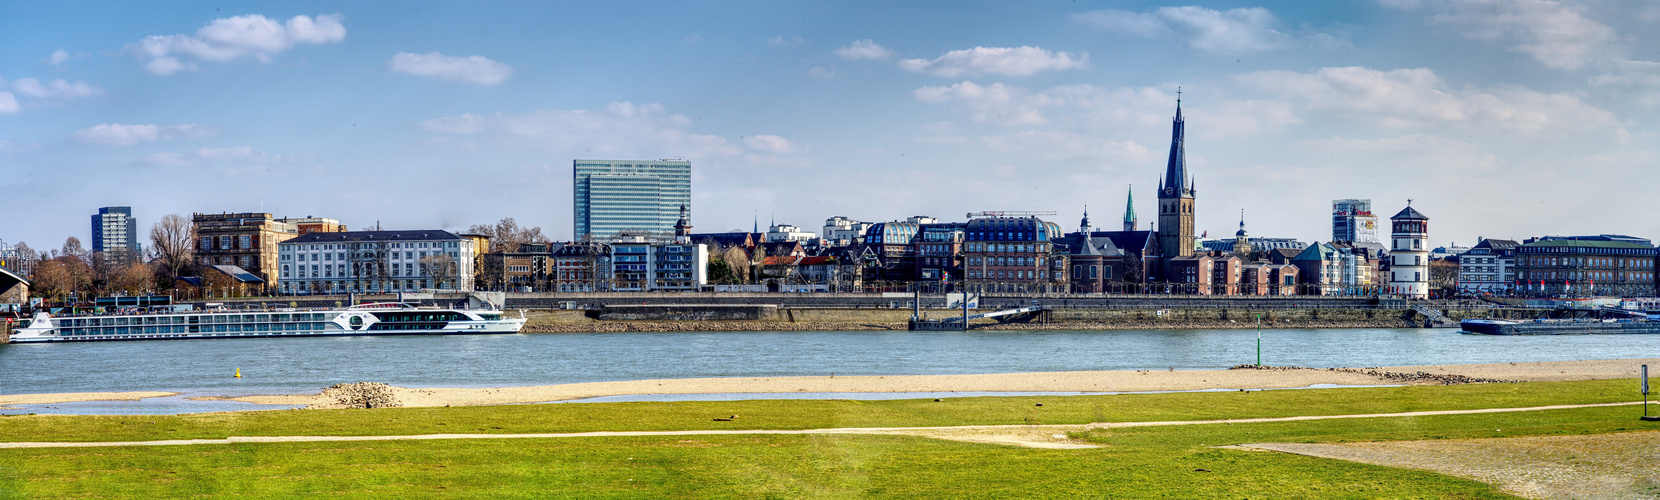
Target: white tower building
(1409, 254)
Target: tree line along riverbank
(688, 319)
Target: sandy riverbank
(1089, 381)
(1085, 381)
(70, 397)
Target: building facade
(247, 240)
(639, 197)
(115, 234)
(1176, 196)
(1489, 267)
(308, 224)
(1409, 254)
(1585, 266)
(582, 267)
(638, 265)
(1353, 220)
(1012, 255)
(375, 262)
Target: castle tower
(1241, 239)
(1409, 254)
(1129, 209)
(1176, 195)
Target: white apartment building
(325, 263)
(842, 231)
(638, 265)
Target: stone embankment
(1419, 377)
(1059, 318)
(705, 326)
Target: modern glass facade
(641, 197)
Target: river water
(306, 365)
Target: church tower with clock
(1176, 196)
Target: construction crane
(1009, 213)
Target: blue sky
(1499, 118)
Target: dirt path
(1031, 436)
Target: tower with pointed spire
(1176, 195)
(683, 227)
(1241, 239)
(1129, 209)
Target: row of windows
(1005, 261)
(1588, 261)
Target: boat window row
(420, 316)
(193, 329)
(180, 320)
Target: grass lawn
(1175, 461)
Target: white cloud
(165, 159)
(1428, 152)
(1066, 145)
(769, 144)
(61, 56)
(779, 41)
(1208, 30)
(225, 153)
(8, 102)
(11, 146)
(822, 72)
(1000, 103)
(1117, 110)
(118, 134)
(55, 89)
(1418, 97)
(621, 128)
(1556, 35)
(234, 37)
(470, 69)
(863, 49)
(1012, 61)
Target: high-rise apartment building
(1352, 220)
(115, 233)
(629, 196)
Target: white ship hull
(372, 319)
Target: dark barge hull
(1560, 328)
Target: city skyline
(1503, 119)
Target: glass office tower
(632, 196)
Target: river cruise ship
(393, 318)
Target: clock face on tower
(1169, 190)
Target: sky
(1497, 118)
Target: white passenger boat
(391, 318)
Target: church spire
(1176, 182)
(1129, 209)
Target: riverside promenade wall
(833, 319)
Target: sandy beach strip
(1082, 381)
(74, 397)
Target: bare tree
(173, 240)
(72, 248)
(63, 276)
(506, 235)
(132, 279)
(440, 267)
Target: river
(306, 365)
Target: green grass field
(1176, 461)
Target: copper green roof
(1586, 243)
